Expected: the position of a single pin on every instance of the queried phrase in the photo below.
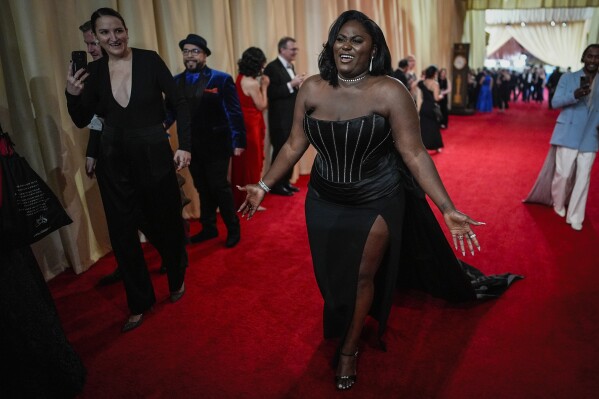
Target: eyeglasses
(194, 51)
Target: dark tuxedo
(401, 76)
(281, 103)
(217, 128)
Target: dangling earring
(370, 67)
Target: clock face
(459, 62)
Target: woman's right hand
(253, 199)
(75, 83)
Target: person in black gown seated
(363, 190)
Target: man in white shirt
(282, 91)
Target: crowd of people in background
(496, 88)
(488, 90)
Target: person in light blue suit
(574, 142)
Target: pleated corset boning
(350, 150)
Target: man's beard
(195, 69)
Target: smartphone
(584, 81)
(79, 59)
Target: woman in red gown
(251, 88)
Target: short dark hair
(105, 12)
(86, 26)
(283, 42)
(430, 71)
(403, 63)
(381, 63)
(251, 62)
(590, 46)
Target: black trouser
(138, 182)
(278, 137)
(210, 180)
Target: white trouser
(565, 160)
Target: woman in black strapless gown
(369, 225)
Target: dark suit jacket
(280, 101)
(401, 76)
(217, 125)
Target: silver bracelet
(263, 186)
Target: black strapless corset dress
(357, 176)
(354, 179)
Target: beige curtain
(37, 36)
(593, 27)
(474, 33)
(559, 46)
(514, 4)
(488, 30)
(498, 36)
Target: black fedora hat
(196, 41)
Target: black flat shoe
(203, 235)
(233, 239)
(280, 190)
(175, 296)
(343, 382)
(130, 325)
(292, 188)
(111, 278)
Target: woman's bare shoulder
(314, 82)
(248, 81)
(391, 88)
(312, 85)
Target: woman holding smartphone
(125, 88)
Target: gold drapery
(36, 37)
(516, 4)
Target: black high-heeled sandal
(343, 382)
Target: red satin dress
(247, 168)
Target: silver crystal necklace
(354, 80)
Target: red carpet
(249, 325)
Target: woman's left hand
(182, 159)
(459, 225)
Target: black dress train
(358, 175)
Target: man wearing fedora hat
(217, 133)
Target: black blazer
(280, 101)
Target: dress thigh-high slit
(375, 248)
(338, 234)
